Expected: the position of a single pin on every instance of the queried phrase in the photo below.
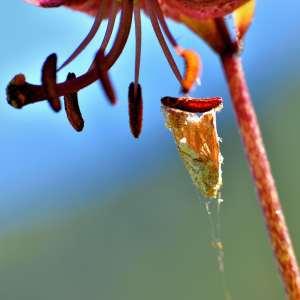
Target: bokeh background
(99, 215)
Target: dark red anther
(135, 106)
(72, 108)
(104, 77)
(194, 105)
(49, 81)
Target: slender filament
(162, 41)
(138, 46)
(110, 25)
(97, 22)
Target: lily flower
(189, 12)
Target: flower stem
(262, 175)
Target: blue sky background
(46, 165)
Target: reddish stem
(262, 175)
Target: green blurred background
(99, 215)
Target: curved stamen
(138, 46)
(104, 77)
(156, 8)
(190, 57)
(110, 25)
(162, 41)
(97, 22)
(20, 93)
(121, 37)
(122, 34)
(109, 29)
